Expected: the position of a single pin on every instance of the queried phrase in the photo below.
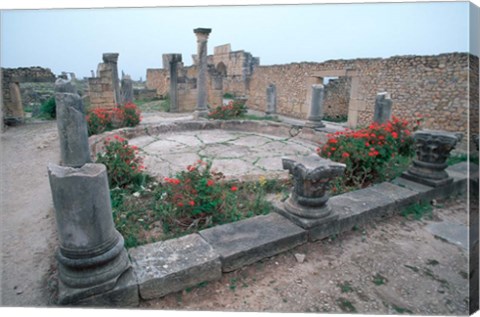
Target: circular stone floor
(238, 155)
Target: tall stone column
(202, 38)
(126, 89)
(91, 256)
(111, 59)
(173, 60)
(383, 108)
(316, 108)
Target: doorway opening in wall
(336, 98)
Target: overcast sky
(74, 39)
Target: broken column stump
(316, 108)
(432, 150)
(307, 204)
(93, 265)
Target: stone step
(174, 265)
(248, 241)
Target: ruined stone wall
(157, 78)
(336, 98)
(474, 98)
(434, 86)
(11, 95)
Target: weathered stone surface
(72, 126)
(247, 241)
(126, 90)
(432, 150)
(123, 294)
(452, 232)
(383, 108)
(311, 178)
(173, 60)
(316, 107)
(202, 39)
(271, 100)
(91, 253)
(173, 265)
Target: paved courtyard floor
(238, 155)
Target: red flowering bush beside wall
(368, 152)
(100, 120)
(124, 167)
(234, 109)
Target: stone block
(173, 265)
(247, 241)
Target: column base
(315, 124)
(197, 114)
(427, 181)
(305, 223)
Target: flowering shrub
(124, 167)
(196, 195)
(367, 152)
(103, 119)
(234, 109)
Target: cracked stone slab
(247, 241)
(173, 265)
(452, 232)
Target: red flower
(234, 188)
(180, 204)
(210, 182)
(191, 203)
(395, 135)
(345, 154)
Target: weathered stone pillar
(202, 38)
(14, 109)
(316, 107)
(383, 108)
(432, 150)
(173, 60)
(91, 257)
(271, 100)
(111, 59)
(307, 205)
(126, 89)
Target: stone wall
(474, 99)
(158, 78)
(337, 96)
(432, 86)
(145, 94)
(12, 107)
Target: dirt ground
(389, 267)
(28, 235)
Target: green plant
(234, 109)
(228, 95)
(369, 153)
(418, 211)
(345, 287)
(337, 118)
(346, 305)
(379, 279)
(124, 167)
(48, 109)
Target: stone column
(316, 108)
(111, 59)
(126, 89)
(91, 257)
(201, 109)
(172, 60)
(271, 100)
(432, 150)
(383, 108)
(307, 205)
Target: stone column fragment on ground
(383, 108)
(72, 128)
(126, 89)
(432, 151)
(173, 60)
(271, 100)
(112, 59)
(307, 204)
(91, 257)
(201, 109)
(316, 107)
